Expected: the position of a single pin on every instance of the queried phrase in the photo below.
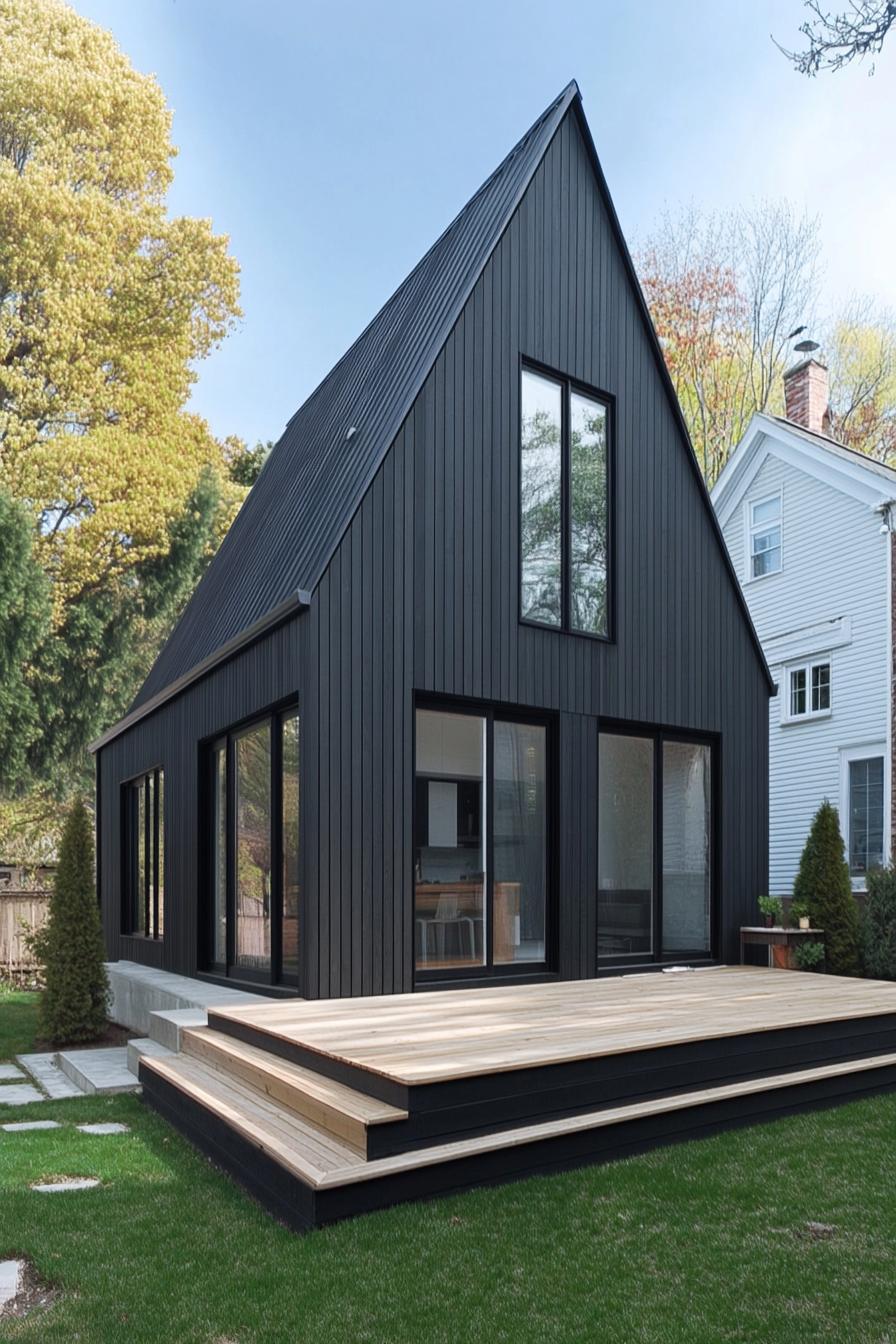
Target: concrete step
(101, 1070)
(141, 1048)
(166, 1027)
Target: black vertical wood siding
(261, 675)
(421, 596)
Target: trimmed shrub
(809, 956)
(879, 925)
(823, 884)
(75, 1001)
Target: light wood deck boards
(323, 1163)
(342, 1111)
(435, 1037)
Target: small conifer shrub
(823, 884)
(75, 1001)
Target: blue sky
(334, 141)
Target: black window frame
(659, 736)
(490, 712)
(568, 385)
(152, 896)
(230, 970)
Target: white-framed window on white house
(764, 536)
(807, 690)
(863, 793)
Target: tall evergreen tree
(70, 945)
(823, 884)
(24, 622)
(89, 672)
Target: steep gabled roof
(851, 472)
(318, 473)
(311, 485)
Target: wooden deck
(326, 1109)
(432, 1037)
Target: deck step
(299, 1146)
(340, 1183)
(339, 1110)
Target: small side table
(754, 934)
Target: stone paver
(108, 1127)
(48, 1075)
(20, 1126)
(8, 1074)
(14, 1094)
(10, 1279)
(68, 1183)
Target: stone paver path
(20, 1126)
(8, 1074)
(66, 1183)
(48, 1075)
(15, 1094)
(107, 1127)
(10, 1279)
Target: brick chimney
(806, 396)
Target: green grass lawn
(703, 1242)
(18, 1021)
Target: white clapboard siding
(834, 579)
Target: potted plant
(770, 907)
(799, 913)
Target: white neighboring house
(809, 526)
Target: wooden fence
(20, 913)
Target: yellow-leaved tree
(106, 301)
(106, 304)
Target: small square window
(808, 691)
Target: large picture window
(144, 855)
(655, 848)
(252, 822)
(480, 842)
(564, 506)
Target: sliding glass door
(655, 848)
(253, 847)
(480, 843)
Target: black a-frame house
(469, 691)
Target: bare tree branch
(837, 39)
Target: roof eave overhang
(292, 606)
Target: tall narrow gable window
(144, 855)
(564, 506)
(765, 537)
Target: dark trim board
(488, 1102)
(302, 1208)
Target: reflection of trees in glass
(290, 843)
(588, 515)
(541, 512)
(253, 753)
(541, 516)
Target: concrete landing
(104, 1070)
